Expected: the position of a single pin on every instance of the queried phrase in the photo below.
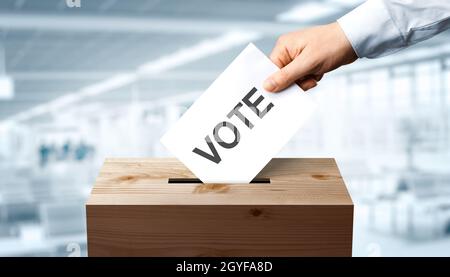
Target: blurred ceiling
(52, 51)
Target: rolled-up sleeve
(380, 27)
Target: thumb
(286, 76)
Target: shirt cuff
(371, 30)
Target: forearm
(380, 27)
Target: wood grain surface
(305, 210)
(292, 182)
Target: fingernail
(269, 84)
(311, 86)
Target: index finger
(279, 55)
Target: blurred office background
(108, 78)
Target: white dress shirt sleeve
(380, 27)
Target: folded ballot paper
(235, 127)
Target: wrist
(345, 47)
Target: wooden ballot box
(156, 207)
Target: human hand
(305, 56)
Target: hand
(305, 56)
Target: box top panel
(144, 181)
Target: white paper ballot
(235, 127)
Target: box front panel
(220, 230)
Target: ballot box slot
(197, 181)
